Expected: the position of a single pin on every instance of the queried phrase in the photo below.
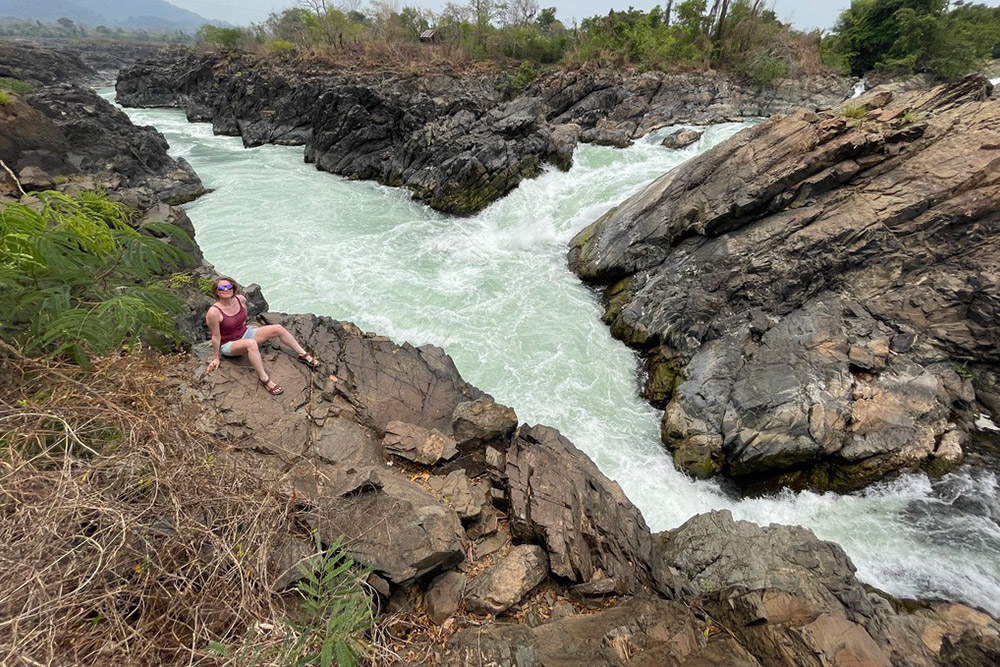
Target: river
(493, 290)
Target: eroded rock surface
(457, 141)
(66, 130)
(808, 292)
(792, 599)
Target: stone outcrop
(810, 293)
(458, 142)
(560, 499)
(792, 599)
(68, 132)
(326, 441)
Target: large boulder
(500, 587)
(590, 529)
(806, 292)
(792, 599)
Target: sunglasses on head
(224, 288)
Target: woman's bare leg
(250, 348)
(266, 333)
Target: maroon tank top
(232, 327)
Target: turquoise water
(493, 290)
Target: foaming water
(493, 290)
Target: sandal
(271, 387)
(308, 360)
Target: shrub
(4, 98)
(765, 69)
(524, 77)
(16, 86)
(852, 111)
(76, 278)
(281, 46)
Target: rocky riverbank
(817, 297)
(493, 541)
(457, 140)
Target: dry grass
(124, 539)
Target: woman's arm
(212, 319)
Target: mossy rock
(664, 373)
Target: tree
(521, 12)
(916, 36)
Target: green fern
(76, 277)
(335, 612)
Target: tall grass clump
(128, 536)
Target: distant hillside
(145, 14)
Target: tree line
(745, 37)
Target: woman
(227, 320)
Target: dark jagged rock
(69, 132)
(612, 107)
(560, 499)
(640, 631)
(42, 66)
(458, 143)
(681, 139)
(806, 291)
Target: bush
(16, 86)
(909, 36)
(281, 46)
(76, 278)
(525, 76)
(765, 69)
(4, 98)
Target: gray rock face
(457, 142)
(560, 500)
(503, 585)
(397, 528)
(640, 631)
(462, 495)
(481, 423)
(792, 599)
(711, 550)
(805, 291)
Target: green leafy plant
(336, 612)
(281, 46)
(330, 627)
(16, 86)
(525, 76)
(76, 277)
(909, 116)
(850, 111)
(4, 97)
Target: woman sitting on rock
(227, 320)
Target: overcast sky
(804, 15)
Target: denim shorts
(227, 348)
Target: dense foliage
(738, 35)
(76, 279)
(910, 36)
